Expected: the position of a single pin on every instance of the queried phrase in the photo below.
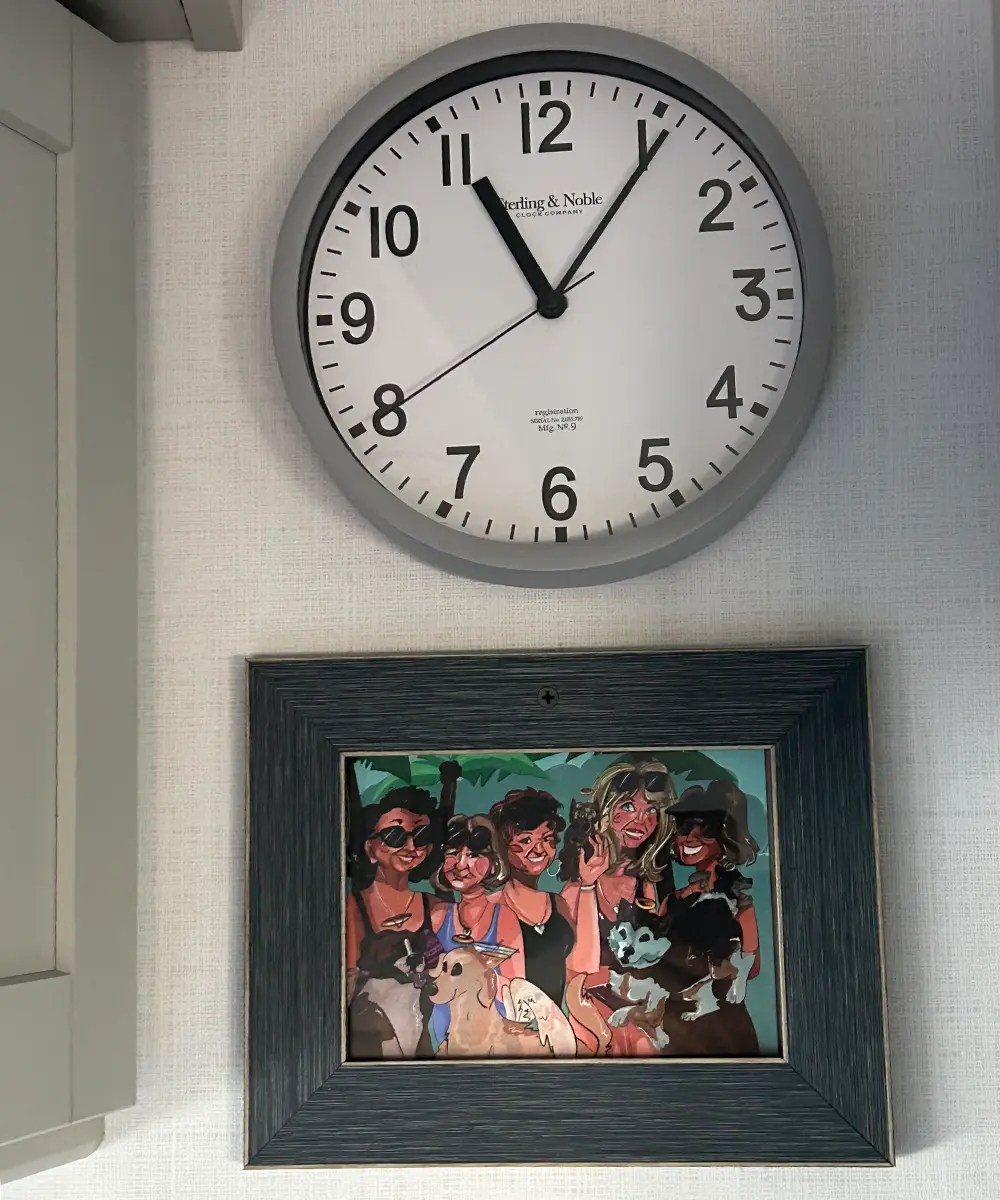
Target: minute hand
(619, 200)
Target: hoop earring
(554, 863)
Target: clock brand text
(565, 205)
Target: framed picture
(496, 902)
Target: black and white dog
(386, 1017)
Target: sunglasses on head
(396, 837)
(632, 781)
(478, 840)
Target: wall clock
(554, 304)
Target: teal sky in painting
(565, 779)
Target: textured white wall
(884, 529)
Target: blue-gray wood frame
(828, 1103)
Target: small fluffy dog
(466, 979)
(639, 950)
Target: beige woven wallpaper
(885, 529)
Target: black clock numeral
(646, 459)
(723, 395)
(385, 409)
(548, 144)
(366, 322)
(471, 454)
(709, 224)
(466, 154)
(550, 490)
(752, 287)
(392, 219)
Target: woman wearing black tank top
(529, 823)
(390, 940)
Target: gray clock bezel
(571, 563)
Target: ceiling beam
(210, 24)
(215, 24)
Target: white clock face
(681, 324)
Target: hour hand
(550, 302)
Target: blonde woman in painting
(615, 854)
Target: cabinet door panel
(28, 483)
(35, 1052)
(67, 585)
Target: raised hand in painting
(595, 858)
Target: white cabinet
(68, 608)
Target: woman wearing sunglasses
(615, 855)
(389, 929)
(713, 926)
(468, 879)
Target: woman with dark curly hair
(389, 932)
(528, 823)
